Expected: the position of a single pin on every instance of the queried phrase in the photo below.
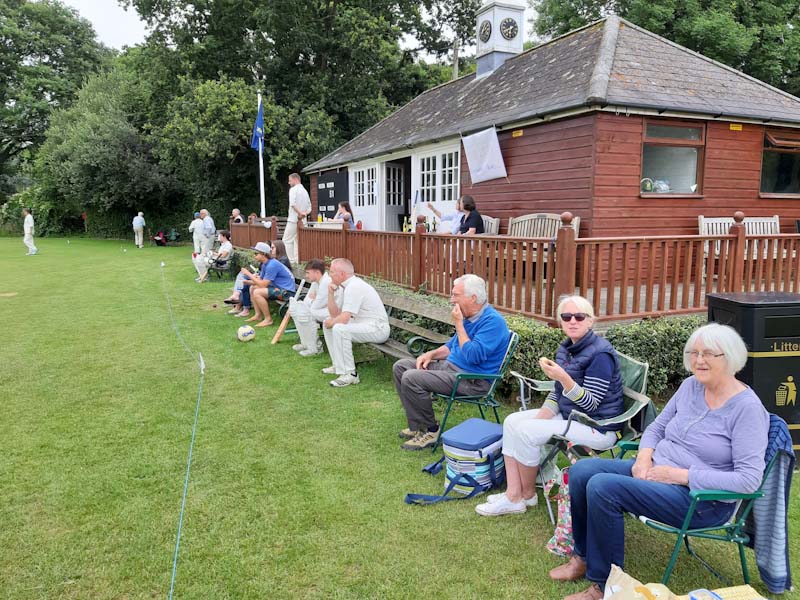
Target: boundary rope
(202, 366)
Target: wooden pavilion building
(634, 134)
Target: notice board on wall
(331, 189)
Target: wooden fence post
(736, 260)
(566, 259)
(343, 243)
(273, 235)
(417, 260)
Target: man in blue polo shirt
(273, 282)
(478, 346)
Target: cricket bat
(277, 337)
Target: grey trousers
(414, 386)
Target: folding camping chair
(734, 530)
(638, 414)
(482, 401)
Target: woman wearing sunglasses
(587, 378)
(712, 434)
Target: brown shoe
(593, 592)
(572, 571)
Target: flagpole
(261, 167)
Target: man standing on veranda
(27, 230)
(299, 207)
(361, 317)
(209, 232)
(138, 230)
(479, 346)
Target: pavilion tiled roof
(610, 62)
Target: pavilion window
(364, 192)
(780, 166)
(672, 158)
(439, 177)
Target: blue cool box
(473, 434)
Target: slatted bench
(539, 225)
(421, 339)
(753, 226)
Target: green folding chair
(482, 401)
(733, 531)
(639, 412)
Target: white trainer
(298, 347)
(309, 352)
(501, 507)
(329, 370)
(345, 380)
(492, 498)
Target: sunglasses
(567, 317)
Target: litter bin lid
(758, 298)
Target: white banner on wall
(484, 156)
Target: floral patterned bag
(561, 543)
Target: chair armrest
(705, 495)
(462, 376)
(537, 385)
(626, 446)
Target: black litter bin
(769, 323)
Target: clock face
(485, 31)
(509, 28)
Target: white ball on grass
(245, 333)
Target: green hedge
(660, 342)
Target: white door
(365, 198)
(395, 196)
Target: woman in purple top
(712, 434)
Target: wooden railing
(624, 277)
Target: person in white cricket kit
(196, 229)
(299, 207)
(138, 230)
(312, 310)
(27, 230)
(361, 318)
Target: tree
(46, 53)
(761, 38)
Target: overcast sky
(114, 26)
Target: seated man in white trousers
(361, 318)
(312, 310)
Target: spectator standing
(27, 232)
(138, 230)
(209, 231)
(236, 216)
(196, 229)
(299, 207)
(478, 346)
(360, 318)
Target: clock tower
(499, 28)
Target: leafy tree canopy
(761, 38)
(46, 53)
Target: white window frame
(364, 192)
(447, 184)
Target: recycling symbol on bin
(786, 394)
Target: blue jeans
(602, 490)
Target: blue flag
(258, 128)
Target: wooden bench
(539, 225)
(421, 339)
(491, 225)
(722, 226)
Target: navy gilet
(574, 359)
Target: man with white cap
(360, 318)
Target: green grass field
(296, 488)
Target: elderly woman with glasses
(587, 378)
(712, 434)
